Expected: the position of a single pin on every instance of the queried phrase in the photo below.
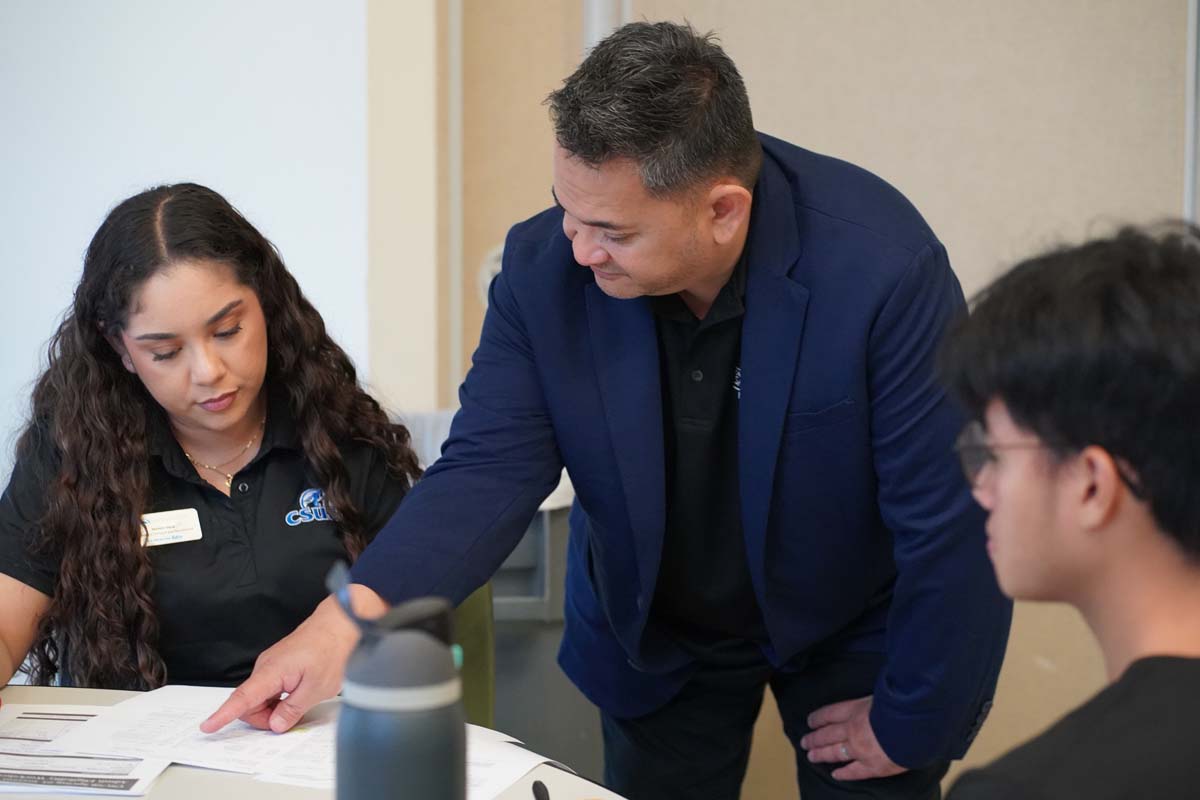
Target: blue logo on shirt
(312, 509)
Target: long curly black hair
(101, 627)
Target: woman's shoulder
(36, 457)
(23, 507)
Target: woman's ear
(114, 341)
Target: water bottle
(401, 731)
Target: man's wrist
(331, 619)
(895, 728)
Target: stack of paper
(33, 759)
(164, 726)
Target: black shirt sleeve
(22, 507)
(989, 784)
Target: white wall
(263, 100)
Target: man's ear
(114, 341)
(1100, 490)
(728, 206)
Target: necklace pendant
(228, 481)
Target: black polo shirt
(258, 569)
(704, 596)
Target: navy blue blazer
(861, 534)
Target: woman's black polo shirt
(258, 569)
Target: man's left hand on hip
(841, 733)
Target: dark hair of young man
(666, 97)
(1099, 345)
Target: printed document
(33, 760)
(165, 724)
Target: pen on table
(540, 792)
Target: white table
(189, 783)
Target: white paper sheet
(33, 759)
(165, 724)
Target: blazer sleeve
(948, 623)
(499, 462)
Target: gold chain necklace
(218, 468)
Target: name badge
(170, 527)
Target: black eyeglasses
(975, 452)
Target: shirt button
(697, 375)
(243, 487)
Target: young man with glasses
(1082, 369)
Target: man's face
(634, 244)
(1029, 533)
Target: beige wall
(405, 233)
(515, 52)
(1010, 125)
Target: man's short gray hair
(666, 97)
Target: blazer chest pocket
(797, 422)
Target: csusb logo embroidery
(312, 509)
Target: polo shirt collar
(729, 303)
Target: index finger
(251, 697)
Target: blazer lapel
(625, 350)
(771, 336)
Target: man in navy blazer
(728, 341)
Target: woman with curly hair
(199, 454)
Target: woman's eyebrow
(214, 318)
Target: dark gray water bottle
(401, 730)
